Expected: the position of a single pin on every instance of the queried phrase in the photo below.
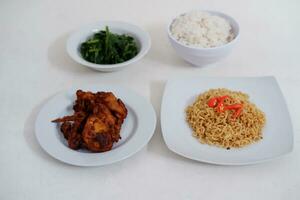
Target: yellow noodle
(219, 129)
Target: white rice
(201, 29)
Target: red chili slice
(234, 106)
(212, 102)
(237, 113)
(218, 102)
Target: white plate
(141, 37)
(136, 130)
(263, 91)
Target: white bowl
(141, 37)
(204, 56)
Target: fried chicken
(96, 122)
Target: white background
(34, 66)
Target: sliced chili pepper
(218, 102)
(220, 106)
(234, 106)
(237, 113)
(212, 102)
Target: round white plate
(136, 130)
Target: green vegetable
(105, 47)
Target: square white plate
(263, 91)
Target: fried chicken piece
(85, 101)
(97, 135)
(77, 116)
(96, 122)
(66, 128)
(65, 119)
(102, 112)
(75, 140)
(105, 115)
(116, 106)
(72, 127)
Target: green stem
(106, 41)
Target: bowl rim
(213, 12)
(144, 46)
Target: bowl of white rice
(203, 37)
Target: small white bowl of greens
(108, 45)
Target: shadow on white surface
(59, 58)
(29, 134)
(161, 50)
(157, 144)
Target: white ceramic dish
(263, 91)
(142, 38)
(204, 56)
(136, 130)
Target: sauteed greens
(105, 47)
